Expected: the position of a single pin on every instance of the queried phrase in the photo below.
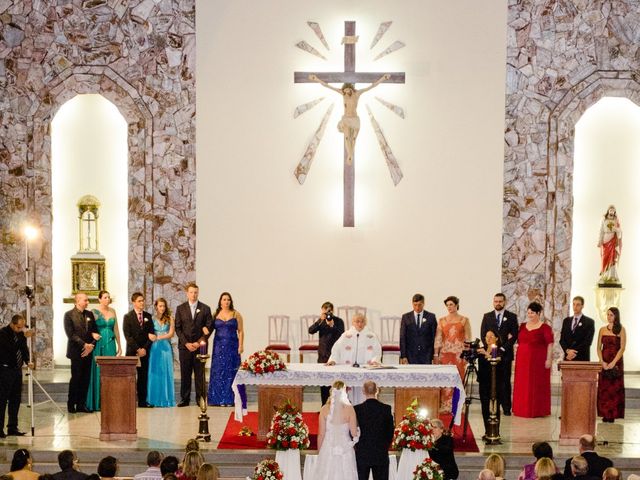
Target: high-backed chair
(346, 313)
(390, 335)
(279, 335)
(308, 343)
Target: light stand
(29, 234)
(203, 418)
(493, 433)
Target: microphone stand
(356, 364)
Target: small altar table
(410, 381)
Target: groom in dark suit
(506, 324)
(376, 432)
(577, 333)
(192, 317)
(417, 334)
(138, 326)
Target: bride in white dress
(337, 434)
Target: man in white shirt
(154, 459)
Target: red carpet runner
(232, 441)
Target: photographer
(330, 329)
(491, 338)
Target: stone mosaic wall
(562, 57)
(138, 54)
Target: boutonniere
(145, 319)
(197, 310)
(579, 324)
(88, 319)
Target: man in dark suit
(139, 332)
(506, 324)
(596, 464)
(69, 469)
(577, 333)
(417, 334)
(82, 334)
(194, 324)
(376, 432)
(330, 328)
(13, 355)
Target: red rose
(294, 444)
(285, 443)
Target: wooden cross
(349, 75)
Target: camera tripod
(470, 371)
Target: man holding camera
(330, 329)
(506, 324)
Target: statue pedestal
(607, 297)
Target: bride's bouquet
(263, 361)
(267, 470)
(288, 430)
(428, 470)
(413, 432)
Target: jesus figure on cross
(349, 125)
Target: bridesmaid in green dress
(108, 345)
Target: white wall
(279, 247)
(88, 156)
(607, 171)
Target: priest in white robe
(358, 346)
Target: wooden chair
(308, 343)
(346, 313)
(279, 335)
(390, 335)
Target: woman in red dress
(612, 341)
(532, 382)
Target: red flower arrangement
(267, 470)
(288, 430)
(262, 362)
(428, 470)
(413, 432)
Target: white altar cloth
(312, 374)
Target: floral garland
(428, 470)
(267, 470)
(288, 430)
(262, 362)
(413, 432)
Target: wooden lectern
(271, 398)
(118, 398)
(579, 400)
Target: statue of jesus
(349, 125)
(610, 243)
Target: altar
(409, 381)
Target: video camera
(470, 352)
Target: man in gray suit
(82, 334)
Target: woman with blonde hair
(190, 466)
(495, 463)
(208, 471)
(545, 469)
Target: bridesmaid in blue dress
(108, 345)
(160, 389)
(227, 348)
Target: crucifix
(349, 125)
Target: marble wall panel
(140, 55)
(562, 57)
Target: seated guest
(192, 444)
(191, 463)
(545, 469)
(612, 473)
(442, 451)
(108, 468)
(597, 464)
(21, 466)
(170, 476)
(495, 463)
(208, 471)
(486, 474)
(169, 466)
(580, 469)
(539, 450)
(69, 469)
(154, 459)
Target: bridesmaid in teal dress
(160, 389)
(108, 345)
